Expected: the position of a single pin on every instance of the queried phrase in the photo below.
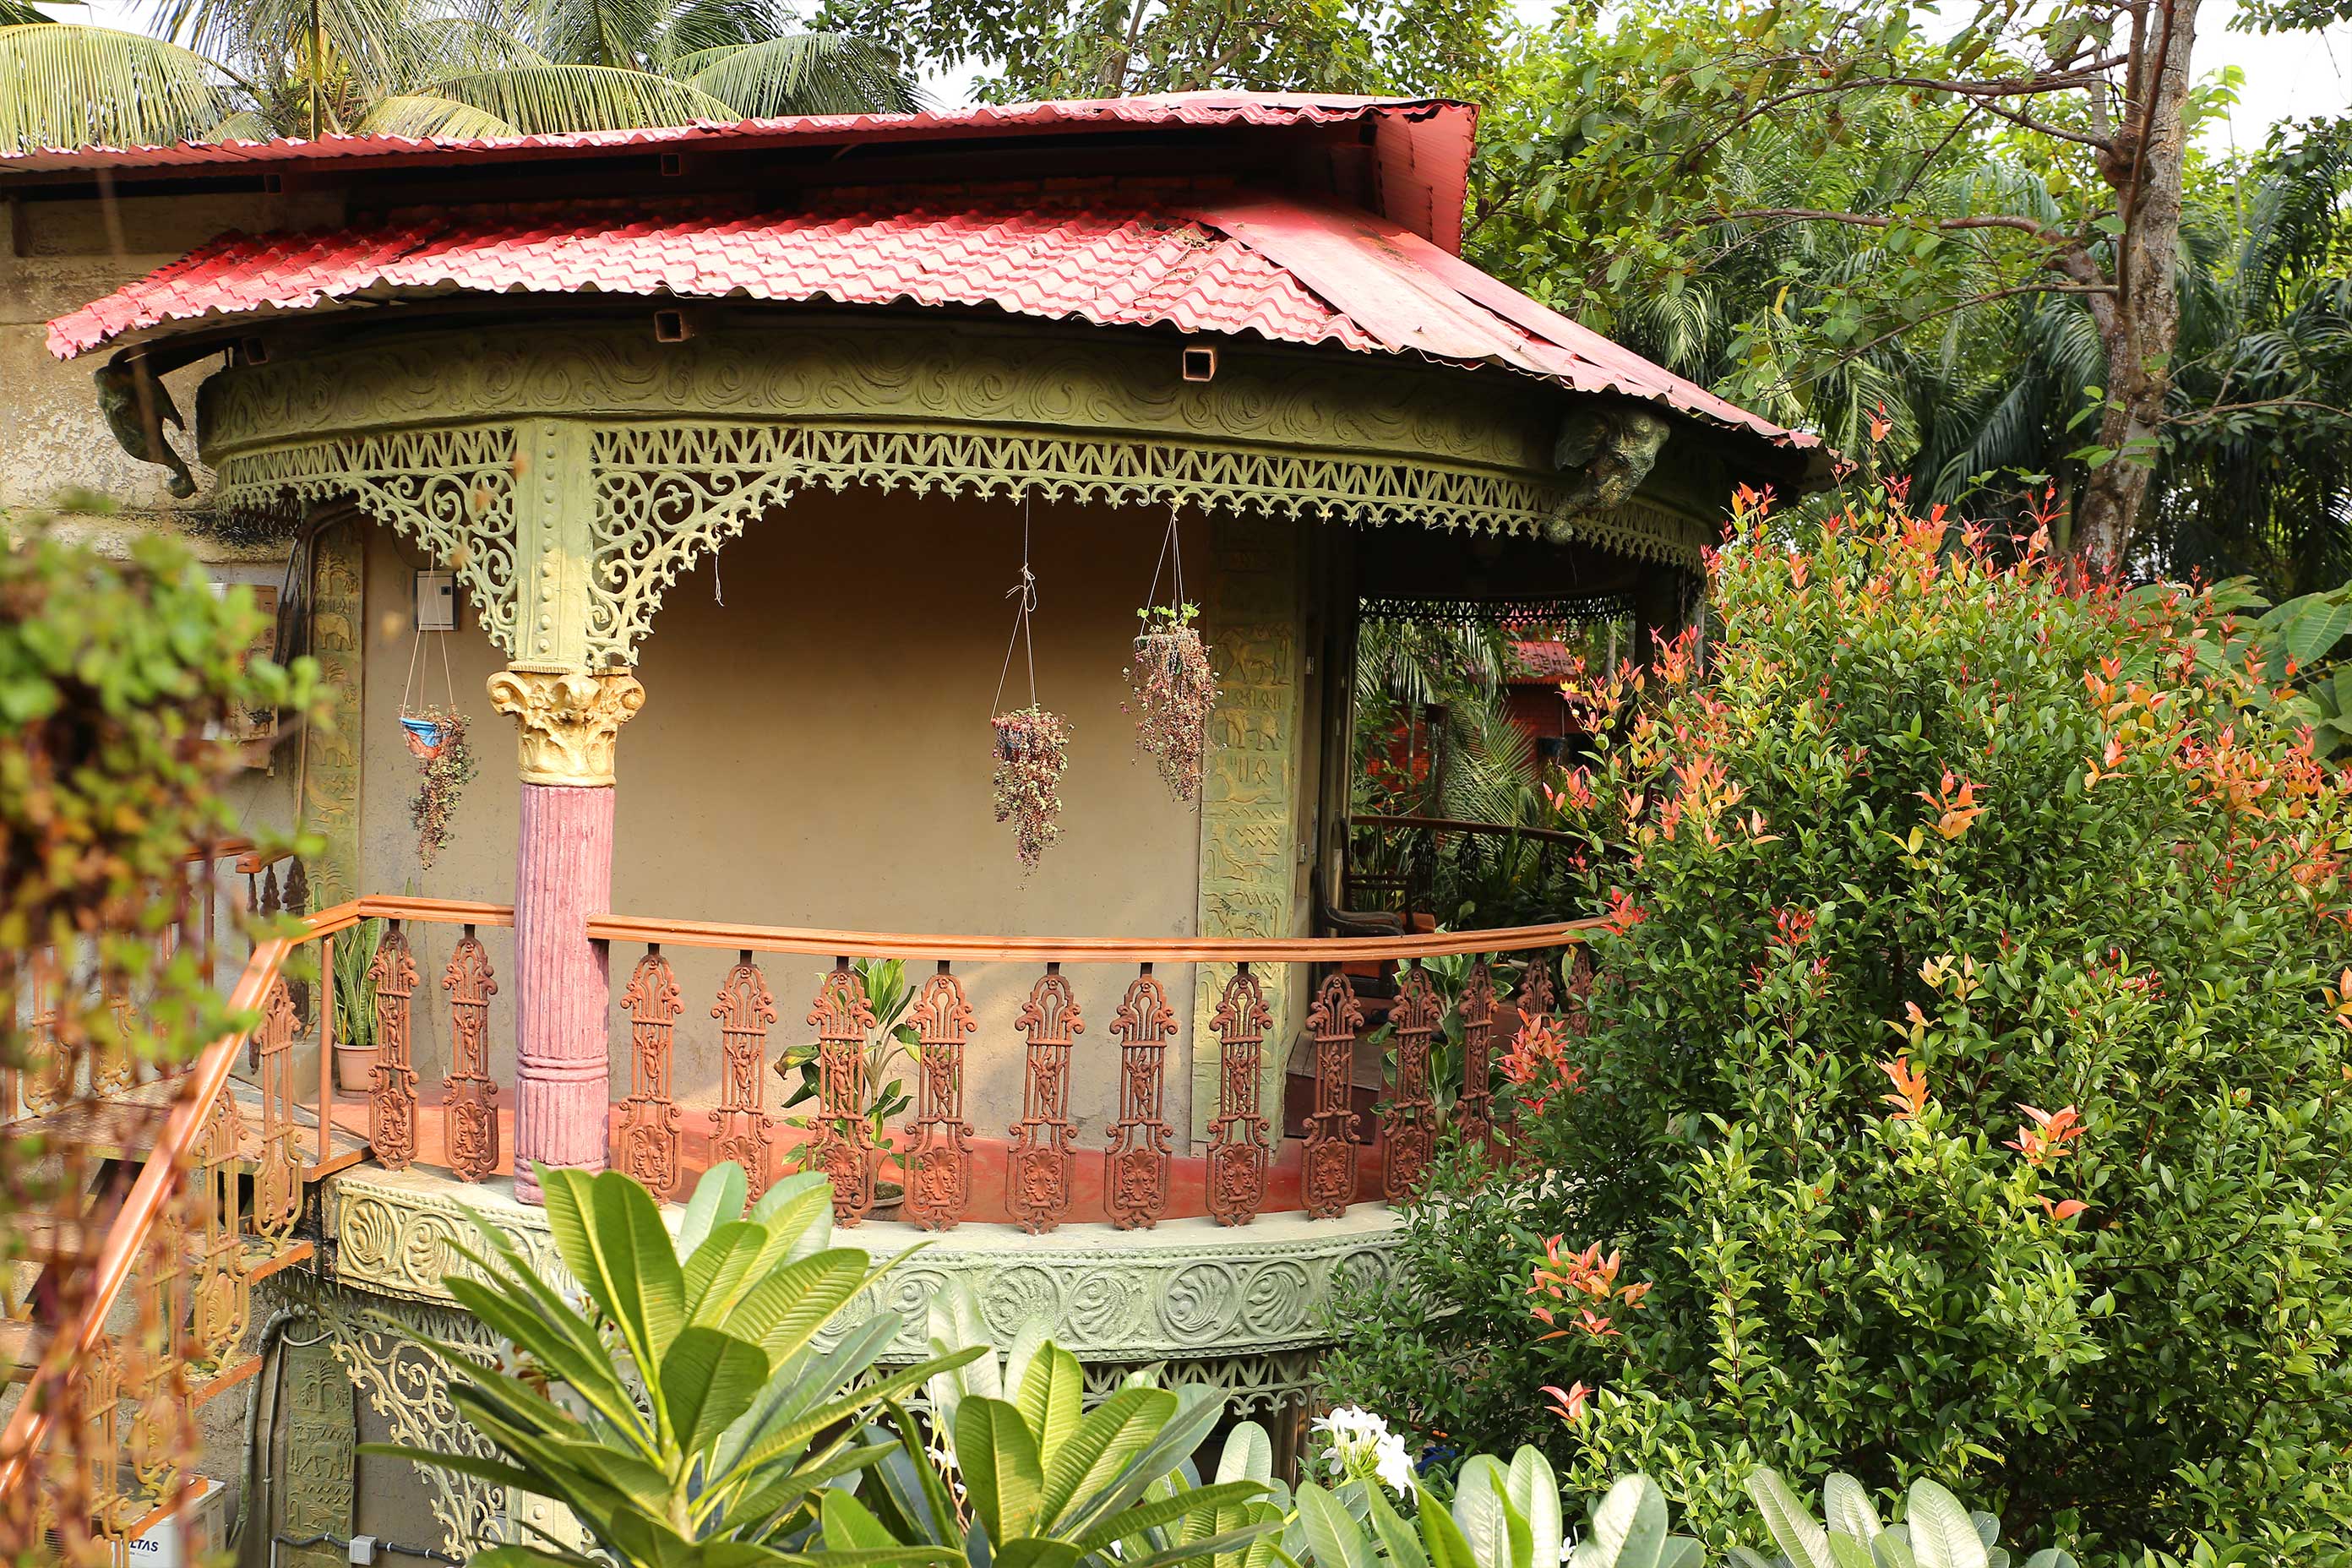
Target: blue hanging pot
(424, 736)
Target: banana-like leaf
(1049, 1398)
(1482, 1507)
(65, 84)
(1845, 1502)
(707, 1379)
(1248, 1454)
(1002, 1476)
(1106, 1441)
(1629, 1528)
(612, 1238)
(1534, 1490)
(1806, 1543)
(1160, 1510)
(717, 1198)
(1942, 1533)
(1333, 1537)
(1448, 1547)
(1398, 1541)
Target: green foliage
(1785, 206)
(116, 678)
(894, 1042)
(2017, 852)
(682, 1410)
(1937, 1532)
(252, 68)
(1091, 48)
(1044, 1482)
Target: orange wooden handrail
(1084, 948)
(446, 911)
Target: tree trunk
(2151, 139)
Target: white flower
(1362, 1448)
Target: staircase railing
(207, 1247)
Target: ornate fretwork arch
(571, 482)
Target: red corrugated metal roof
(1449, 126)
(1282, 270)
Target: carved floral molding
(1187, 1289)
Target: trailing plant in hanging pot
(1175, 690)
(1032, 749)
(447, 767)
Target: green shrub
(1939, 838)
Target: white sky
(2289, 76)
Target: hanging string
(1026, 592)
(415, 652)
(1169, 544)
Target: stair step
(22, 1345)
(129, 1125)
(46, 1238)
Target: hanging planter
(1174, 691)
(1032, 749)
(448, 769)
(425, 737)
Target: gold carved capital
(567, 721)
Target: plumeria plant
(1358, 1446)
(1965, 1073)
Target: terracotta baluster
(1037, 1169)
(48, 1075)
(1409, 1134)
(223, 1300)
(1239, 1146)
(1474, 1113)
(740, 1126)
(1135, 1174)
(1329, 1173)
(567, 723)
(392, 1081)
(649, 1139)
(841, 1138)
(470, 1101)
(277, 1180)
(938, 1154)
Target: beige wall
(815, 751)
(59, 256)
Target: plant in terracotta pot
(437, 736)
(893, 1043)
(355, 991)
(1175, 690)
(1033, 750)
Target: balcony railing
(1015, 1155)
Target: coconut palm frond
(806, 73)
(536, 99)
(614, 33)
(370, 45)
(693, 25)
(65, 84)
(425, 115)
(21, 13)
(1490, 762)
(245, 125)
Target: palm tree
(427, 68)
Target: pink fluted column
(563, 874)
(567, 722)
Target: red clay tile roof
(1288, 272)
(1112, 268)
